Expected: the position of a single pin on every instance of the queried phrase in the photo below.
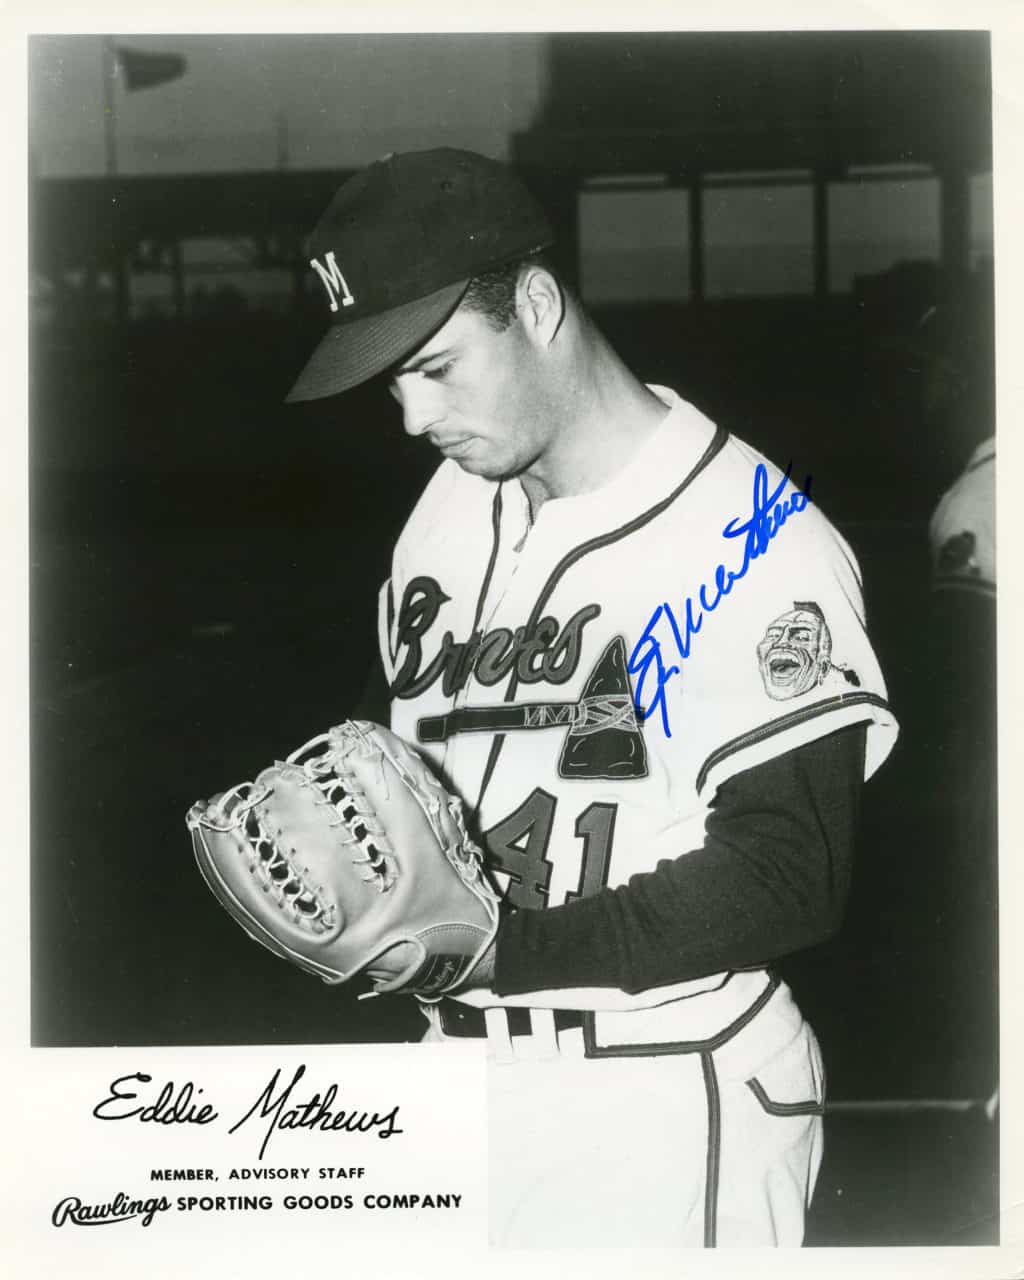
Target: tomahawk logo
(604, 736)
(333, 281)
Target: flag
(144, 70)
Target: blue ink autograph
(767, 518)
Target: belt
(459, 1019)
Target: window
(980, 196)
(634, 245)
(758, 240)
(875, 223)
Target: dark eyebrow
(417, 362)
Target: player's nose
(415, 423)
(419, 412)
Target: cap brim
(351, 353)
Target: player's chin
(477, 463)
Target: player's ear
(541, 304)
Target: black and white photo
(513, 514)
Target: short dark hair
(493, 293)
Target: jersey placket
(513, 536)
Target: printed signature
(647, 662)
(274, 1104)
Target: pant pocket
(793, 1082)
(772, 1142)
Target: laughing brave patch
(796, 653)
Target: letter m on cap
(333, 281)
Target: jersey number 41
(518, 846)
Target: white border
(1007, 22)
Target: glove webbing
(353, 816)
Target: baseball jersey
(962, 530)
(587, 681)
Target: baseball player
(952, 348)
(962, 533)
(949, 354)
(637, 650)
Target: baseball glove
(349, 857)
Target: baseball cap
(396, 249)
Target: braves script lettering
(547, 651)
(770, 512)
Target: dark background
(205, 600)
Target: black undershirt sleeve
(772, 877)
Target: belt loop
(499, 1037)
(542, 1027)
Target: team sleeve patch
(795, 653)
(786, 661)
(778, 684)
(960, 564)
